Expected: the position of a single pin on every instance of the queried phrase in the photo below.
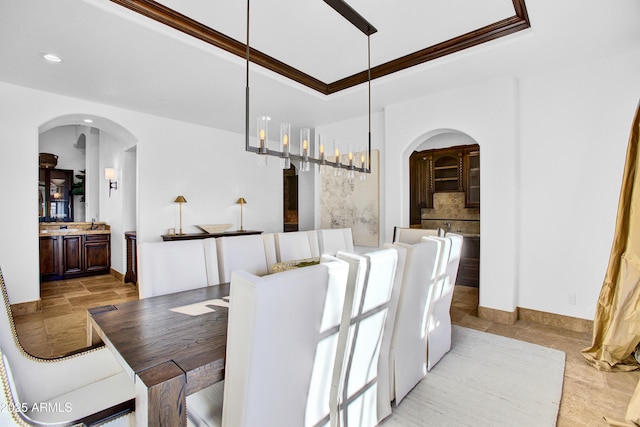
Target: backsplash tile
(449, 207)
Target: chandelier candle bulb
(305, 135)
(285, 131)
(338, 169)
(263, 134)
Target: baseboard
(119, 276)
(28, 307)
(543, 318)
(498, 316)
(557, 320)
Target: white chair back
(331, 241)
(409, 341)
(253, 253)
(82, 384)
(439, 325)
(357, 380)
(296, 245)
(269, 240)
(283, 311)
(168, 267)
(386, 392)
(412, 235)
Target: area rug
(486, 380)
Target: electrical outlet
(572, 299)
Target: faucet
(448, 225)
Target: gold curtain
(616, 328)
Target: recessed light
(88, 121)
(51, 57)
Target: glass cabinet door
(54, 193)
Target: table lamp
(181, 200)
(241, 201)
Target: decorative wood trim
(498, 29)
(162, 14)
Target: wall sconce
(110, 174)
(241, 201)
(180, 200)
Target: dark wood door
(72, 254)
(97, 253)
(49, 260)
(420, 191)
(469, 269)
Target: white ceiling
(115, 56)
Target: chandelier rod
(363, 25)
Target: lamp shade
(109, 173)
(180, 199)
(241, 201)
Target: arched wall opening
(444, 192)
(97, 143)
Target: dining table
(171, 346)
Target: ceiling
(114, 55)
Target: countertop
(72, 228)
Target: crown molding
(162, 14)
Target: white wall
(553, 144)
(487, 113)
(208, 166)
(575, 125)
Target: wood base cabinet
(66, 257)
(469, 268)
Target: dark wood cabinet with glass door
(54, 195)
(472, 179)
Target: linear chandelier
(306, 155)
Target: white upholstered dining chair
(296, 245)
(439, 324)
(333, 240)
(355, 381)
(412, 235)
(168, 267)
(281, 348)
(83, 387)
(254, 253)
(409, 341)
(386, 391)
(276, 323)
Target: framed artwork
(352, 203)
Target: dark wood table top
(146, 334)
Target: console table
(192, 236)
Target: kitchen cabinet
(74, 255)
(421, 194)
(132, 257)
(472, 179)
(71, 254)
(454, 169)
(469, 268)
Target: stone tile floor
(61, 325)
(587, 396)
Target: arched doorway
(444, 193)
(86, 145)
